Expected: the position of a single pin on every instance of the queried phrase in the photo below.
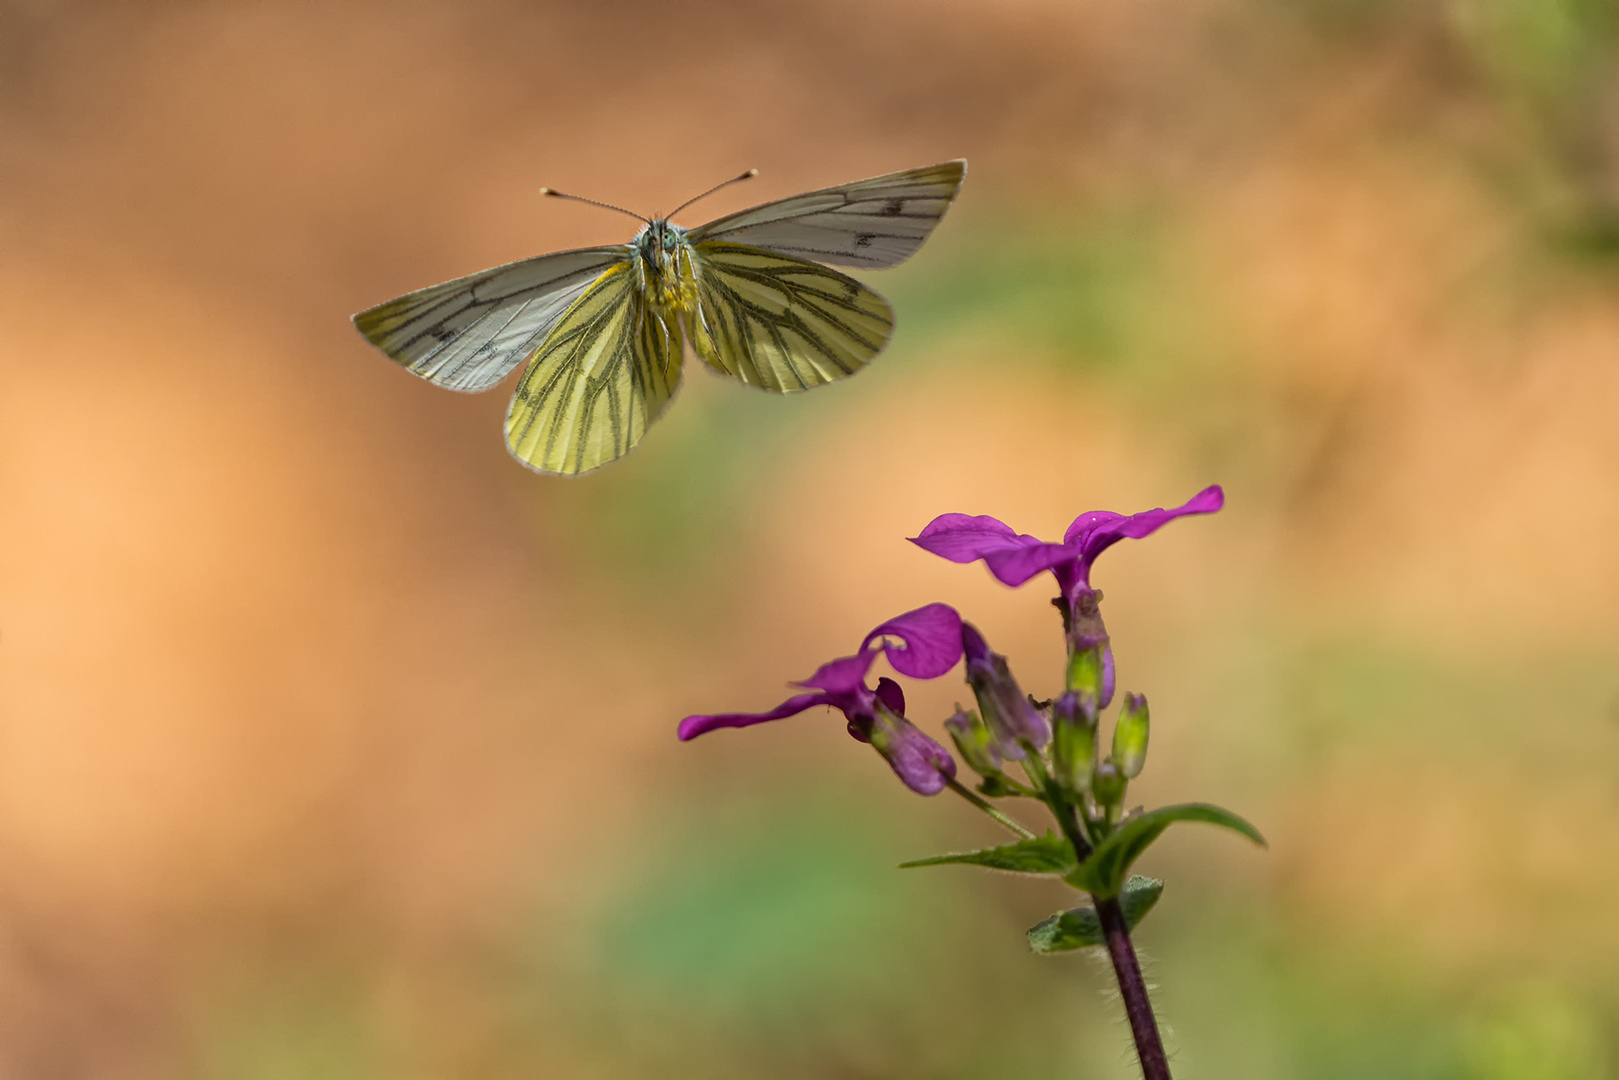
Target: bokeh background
(335, 745)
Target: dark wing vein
(598, 382)
(873, 223)
(468, 334)
(783, 323)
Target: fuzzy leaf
(1080, 927)
(1048, 854)
(1103, 873)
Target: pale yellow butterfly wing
(875, 223)
(603, 363)
(782, 323)
(468, 334)
(603, 375)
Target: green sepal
(1081, 928)
(1048, 854)
(1130, 736)
(1107, 783)
(1085, 671)
(995, 787)
(1103, 873)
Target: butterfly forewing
(872, 223)
(782, 323)
(468, 334)
(604, 374)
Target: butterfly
(604, 330)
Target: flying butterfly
(603, 330)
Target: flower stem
(1068, 818)
(1116, 932)
(986, 807)
(1149, 1047)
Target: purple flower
(927, 643)
(1016, 557)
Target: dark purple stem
(1150, 1048)
(1116, 932)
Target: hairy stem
(984, 805)
(1068, 818)
(1116, 932)
(1149, 1047)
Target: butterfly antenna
(750, 174)
(580, 198)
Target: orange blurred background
(335, 744)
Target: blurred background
(334, 744)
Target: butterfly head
(663, 258)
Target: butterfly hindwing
(468, 334)
(603, 375)
(874, 223)
(783, 323)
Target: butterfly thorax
(665, 267)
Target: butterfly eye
(668, 241)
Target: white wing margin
(468, 334)
(874, 223)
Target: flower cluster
(1052, 744)
(1054, 741)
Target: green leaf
(1080, 927)
(1103, 873)
(1048, 854)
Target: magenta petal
(693, 726)
(843, 676)
(1095, 532)
(962, 538)
(890, 694)
(1089, 522)
(931, 638)
(1207, 501)
(1019, 565)
(974, 646)
(1148, 522)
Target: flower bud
(1073, 740)
(921, 764)
(1107, 786)
(1006, 711)
(1130, 736)
(974, 742)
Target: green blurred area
(333, 744)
